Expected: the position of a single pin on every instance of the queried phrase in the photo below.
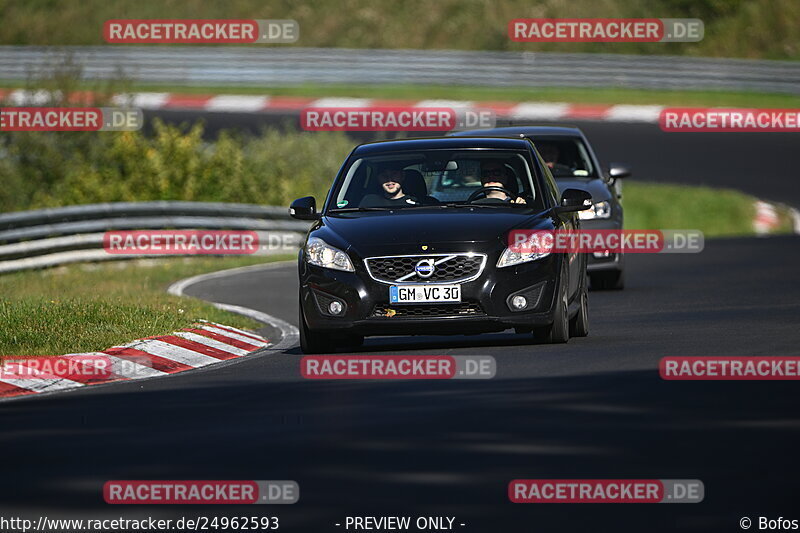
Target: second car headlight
(320, 253)
(511, 257)
(598, 210)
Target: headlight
(511, 257)
(320, 253)
(598, 210)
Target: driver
(391, 180)
(495, 174)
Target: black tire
(313, 342)
(613, 280)
(579, 324)
(558, 331)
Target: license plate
(416, 294)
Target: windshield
(437, 178)
(566, 157)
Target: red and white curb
(795, 214)
(233, 103)
(206, 343)
(766, 220)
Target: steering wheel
(485, 190)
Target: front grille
(421, 311)
(447, 268)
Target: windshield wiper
(423, 205)
(388, 208)
(509, 204)
(355, 209)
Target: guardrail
(269, 66)
(49, 237)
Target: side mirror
(619, 170)
(574, 200)
(304, 208)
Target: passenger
(549, 153)
(391, 180)
(495, 174)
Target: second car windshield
(566, 158)
(412, 179)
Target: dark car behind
(569, 157)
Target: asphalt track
(594, 408)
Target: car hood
(594, 186)
(378, 232)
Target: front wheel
(312, 342)
(558, 331)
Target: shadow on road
(433, 447)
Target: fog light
(335, 308)
(602, 255)
(519, 302)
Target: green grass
(733, 28)
(786, 222)
(715, 212)
(504, 94)
(90, 307)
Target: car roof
(527, 131)
(433, 143)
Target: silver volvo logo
(425, 268)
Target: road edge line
(289, 333)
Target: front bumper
(484, 305)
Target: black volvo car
(413, 239)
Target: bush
(174, 163)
